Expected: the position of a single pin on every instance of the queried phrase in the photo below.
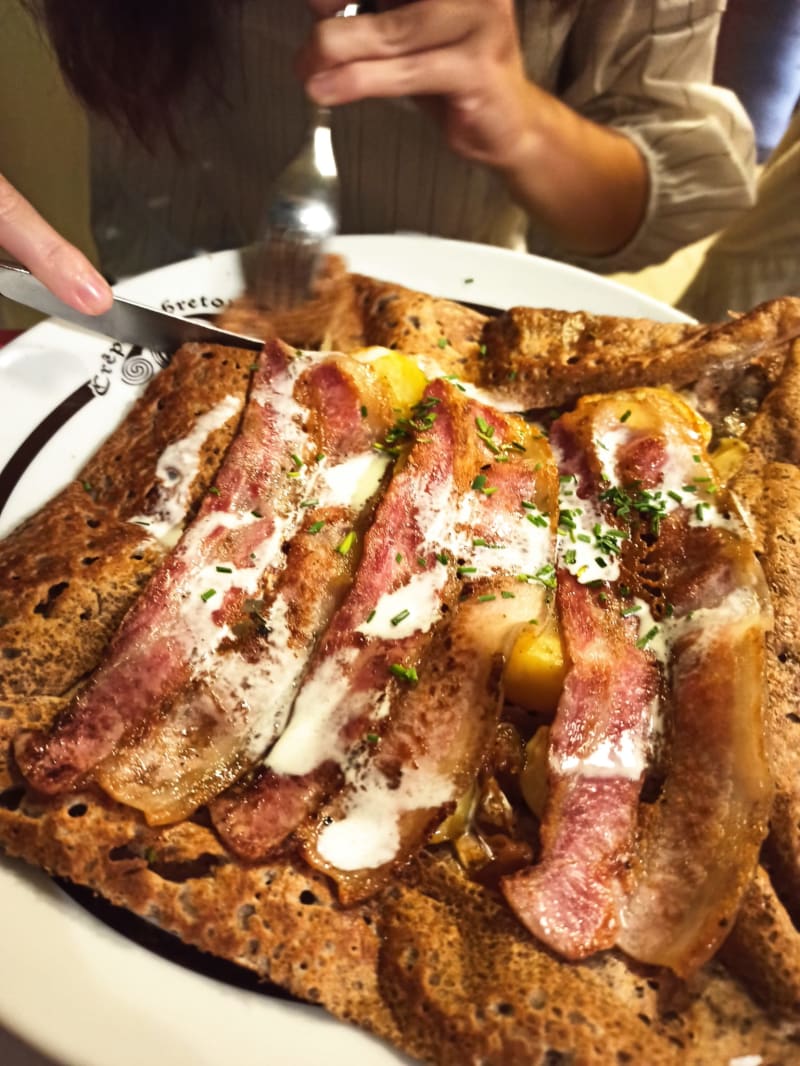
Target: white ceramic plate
(72, 986)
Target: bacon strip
(685, 551)
(440, 734)
(597, 763)
(170, 640)
(209, 737)
(700, 842)
(349, 684)
(350, 688)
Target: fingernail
(322, 88)
(93, 294)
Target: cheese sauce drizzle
(176, 469)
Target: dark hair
(130, 60)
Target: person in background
(756, 256)
(758, 57)
(589, 131)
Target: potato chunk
(535, 669)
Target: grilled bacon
(177, 647)
(206, 739)
(439, 734)
(681, 563)
(368, 657)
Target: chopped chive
(441, 558)
(487, 598)
(372, 738)
(399, 557)
(462, 571)
(676, 496)
(405, 673)
(645, 640)
(490, 491)
(400, 617)
(626, 612)
(508, 595)
(315, 527)
(699, 510)
(310, 503)
(253, 366)
(537, 520)
(347, 543)
(442, 342)
(602, 597)
(371, 615)
(518, 445)
(213, 491)
(570, 557)
(298, 462)
(546, 575)
(468, 281)
(319, 457)
(363, 411)
(256, 514)
(482, 349)
(625, 416)
(223, 569)
(479, 542)
(484, 427)
(422, 561)
(695, 458)
(150, 855)
(480, 482)
(206, 596)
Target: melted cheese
(352, 482)
(312, 736)
(369, 833)
(623, 756)
(420, 597)
(264, 691)
(176, 469)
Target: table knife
(126, 321)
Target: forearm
(587, 184)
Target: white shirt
(641, 66)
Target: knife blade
(127, 321)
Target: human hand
(462, 55)
(53, 260)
